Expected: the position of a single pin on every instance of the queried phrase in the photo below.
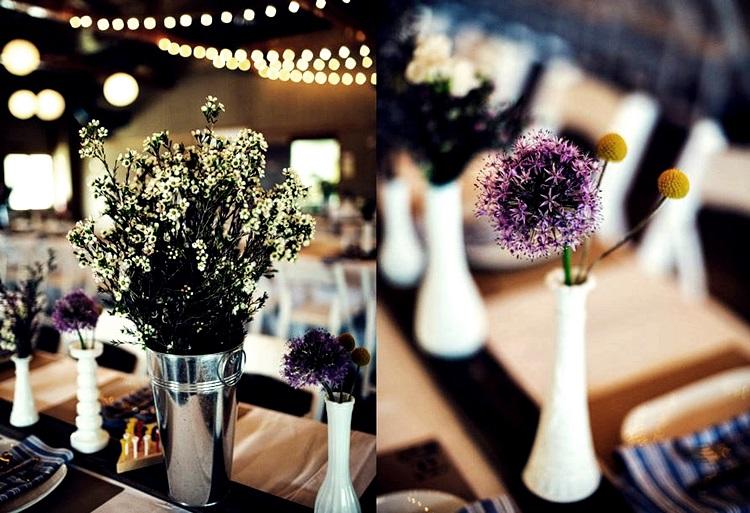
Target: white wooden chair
(313, 293)
(635, 120)
(368, 277)
(111, 328)
(672, 241)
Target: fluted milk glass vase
(401, 258)
(451, 320)
(337, 494)
(563, 465)
(24, 410)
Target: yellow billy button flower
(612, 147)
(347, 341)
(361, 356)
(673, 184)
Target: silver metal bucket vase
(196, 403)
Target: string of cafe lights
(306, 69)
(286, 65)
(185, 19)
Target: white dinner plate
(31, 497)
(690, 408)
(419, 501)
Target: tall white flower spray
(187, 232)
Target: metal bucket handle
(225, 359)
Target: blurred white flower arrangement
(433, 62)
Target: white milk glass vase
(24, 411)
(401, 257)
(451, 320)
(337, 494)
(89, 436)
(563, 466)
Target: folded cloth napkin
(500, 504)
(707, 471)
(44, 461)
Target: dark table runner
(499, 415)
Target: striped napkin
(707, 471)
(49, 460)
(500, 504)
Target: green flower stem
(566, 259)
(329, 392)
(80, 337)
(601, 175)
(632, 233)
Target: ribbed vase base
(88, 442)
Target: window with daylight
(318, 163)
(31, 180)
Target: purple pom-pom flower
(541, 197)
(74, 312)
(318, 359)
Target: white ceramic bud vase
(401, 257)
(89, 437)
(24, 411)
(337, 494)
(563, 466)
(451, 320)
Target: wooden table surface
(274, 452)
(643, 340)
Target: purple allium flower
(317, 359)
(76, 311)
(541, 197)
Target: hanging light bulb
(360, 78)
(120, 89)
(293, 6)
(374, 79)
(20, 57)
(344, 52)
(325, 54)
(366, 62)
(270, 11)
(118, 24)
(249, 14)
(347, 79)
(226, 17)
(75, 22)
(50, 105)
(307, 54)
(86, 21)
(170, 22)
(186, 20)
(320, 4)
(164, 44)
(22, 104)
(102, 24)
(149, 23)
(206, 20)
(133, 23)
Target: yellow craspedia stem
(673, 184)
(612, 147)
